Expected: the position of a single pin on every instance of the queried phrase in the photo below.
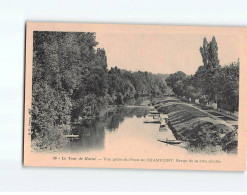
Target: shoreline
(202, 130)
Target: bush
(230, 141)
(52, 139)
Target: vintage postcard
(135, 96)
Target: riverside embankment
(201, 130)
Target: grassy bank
(198, 128)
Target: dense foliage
(71, 81)
(211, 82)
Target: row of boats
(162, 119)
(156, 117)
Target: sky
(163, 53)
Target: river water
(123, 132)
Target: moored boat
(156, 117)
(163, 127)
(171, 141)
(154, 112)
(71, 136)
(152, 119)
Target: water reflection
(114, 119)
(91, 136)
(92, 132)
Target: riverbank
(201, 130)
(124, 132)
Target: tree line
(71, 80)
(211, 82)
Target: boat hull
(171, 141)
(157, 122)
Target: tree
(227, 86)
(209, 52)
(59, 61)
(176, 82)
(71, 81)
(211, 81)
(205, 74)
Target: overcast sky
(162, 53)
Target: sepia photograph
(123, 94)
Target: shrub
(52, 139)
(230, 141)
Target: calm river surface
(122, 132)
